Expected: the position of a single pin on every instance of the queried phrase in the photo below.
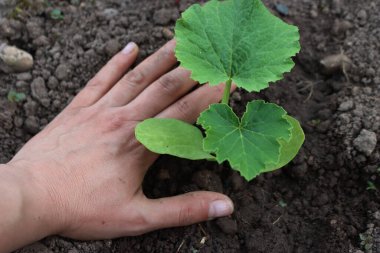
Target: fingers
(106, 77)
(189, 107)
(185, 209)
(133, 83)
(162, 93)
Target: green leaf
(249, 144)
(56, 14)
(235, 39)
(172, 137)
(289, 149)
(14, 96)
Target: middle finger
(135, 81)
(161, 94)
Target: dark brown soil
(319, 203)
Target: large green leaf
(172, 137)
(289, 149)
(235, 39)
(249, 144)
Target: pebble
(24, 76)
(110, 13)
(362, 16)
(34, 30)
(39, 90)
(13, 59)
(227, 225)
(162, 16)
(208, 180)
(366, 142)
(112, 47)
(52, 83)
(30, 108)
(168, 34)
(32, 125)
(62, 72)
(341, 26)
(282, 9)
(346, 106)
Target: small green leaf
(282, 203)
(249, 144)
(14, 96)
(235, 39)
(289, 149)
(172, 137)
(371, 186)
(56, 14)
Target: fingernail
(220, 208)
(129, 48)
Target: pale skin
(81, 176)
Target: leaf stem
(227, 91)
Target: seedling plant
(233, 42)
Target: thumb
(186, 209)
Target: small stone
(238, 183)
(346, 106)
(34, 30)
(30, 108)
(14, 59)
(62, 72)
(208, 180)
(112, 47)
(236, 96)
(376, 215)
(227, 225)
(341, 26)
(362, 16)
(366, 142)
(313, 13)
(24, 76)
(39, 90)
(32, 125)
(52, 83)
(162, 16)
(18, 121)
(110, 13)
(41, 41)
(168, 34)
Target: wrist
(27, 215)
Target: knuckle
(168, 82)
(186, 215)
(183, 107)
(134, 78)
(94, 82)
(167, 53)
(113, 121)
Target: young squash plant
(240, 42)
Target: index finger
(134, 82)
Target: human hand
(82, 174)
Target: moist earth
(326, 200)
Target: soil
(324, 201)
